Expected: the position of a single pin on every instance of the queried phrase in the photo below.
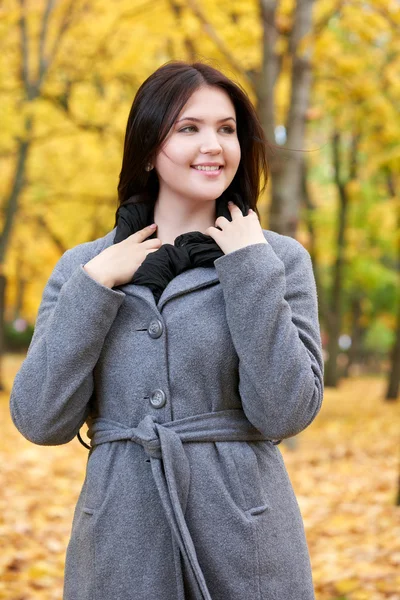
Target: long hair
(156, 107)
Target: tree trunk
(356, 334)
(392, 393)
(335, 312)
(286, 167)
(10, 211)
(2, 336)
(394, 374)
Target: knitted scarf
(191, 249)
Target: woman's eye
(228, 129)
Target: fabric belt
(172, 473)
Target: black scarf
(191, 249)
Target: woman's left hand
(240, 232)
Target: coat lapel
(188, 281)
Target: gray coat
(185, 494)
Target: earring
(148, 167)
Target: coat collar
(188, 281)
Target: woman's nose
(210, 143)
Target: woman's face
(204, 134)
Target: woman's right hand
(118, 263)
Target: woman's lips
(211, 174)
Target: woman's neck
(174, 218)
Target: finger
(144, 233)
(235, 210)
(221, 221)
(213, 232)
(153, 243)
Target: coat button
(155, 328)
(157, 399)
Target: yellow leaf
(346, 585)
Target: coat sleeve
(272, 314)
(49, 400)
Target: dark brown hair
(157, 105)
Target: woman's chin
(209, 188)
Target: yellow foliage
(285, 7)
(345, 586)
(111, 47)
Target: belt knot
(172, 474)
(146, 433)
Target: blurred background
(325, 79)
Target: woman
(190, 350)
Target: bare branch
(386, 15)
(10, 204)
(42, 41)
(270, 68)
(62, 104)
(57, 241)
(322, 24)
(113, 31)
(65, 25)
(24, 67)
(354, 156)
(212, 34)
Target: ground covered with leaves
(344, 470)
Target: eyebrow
(202, 120)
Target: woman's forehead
(210, 102)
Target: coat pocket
(249, 475)
(242, 478)
(97, 479)
(80, 578)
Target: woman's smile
(211, 172)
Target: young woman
(191, 350)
